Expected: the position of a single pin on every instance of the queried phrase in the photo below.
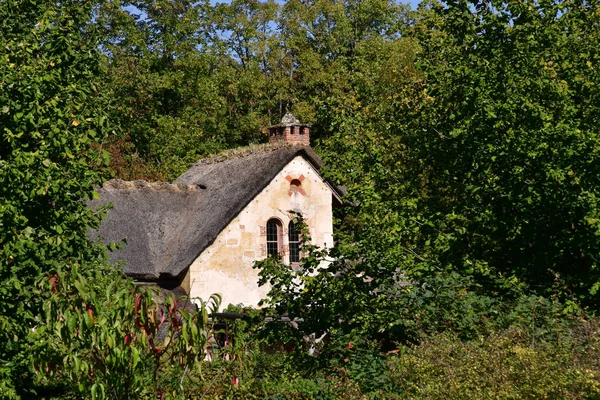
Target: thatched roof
(167, 226)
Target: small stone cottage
(202, 233)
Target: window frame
(277, 240)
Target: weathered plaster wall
(225, 267)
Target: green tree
(472, 183)
(506, 141)
(338, 48)
(236, 68)
(51, 114)
(159, 78)
(484, 164)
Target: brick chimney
(291, 131)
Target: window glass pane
(294, 242)
(273, 237)
(293, 233)
(272, 234)
(294, 252)
(272, 248)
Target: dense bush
(106, 338)
(270, 376)
(505, 365)
(511, 363)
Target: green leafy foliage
(115, 340)
(193, 78)
(505, 142)
(454, 181)
(51, 112)
(499, 367)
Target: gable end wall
(225, 267)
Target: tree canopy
(52, 116)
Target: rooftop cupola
(291, 131)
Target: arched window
(294, 241)
(274, 230)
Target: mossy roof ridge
(241, 152)
(119, 184)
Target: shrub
(106, 337)
(502, 366)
